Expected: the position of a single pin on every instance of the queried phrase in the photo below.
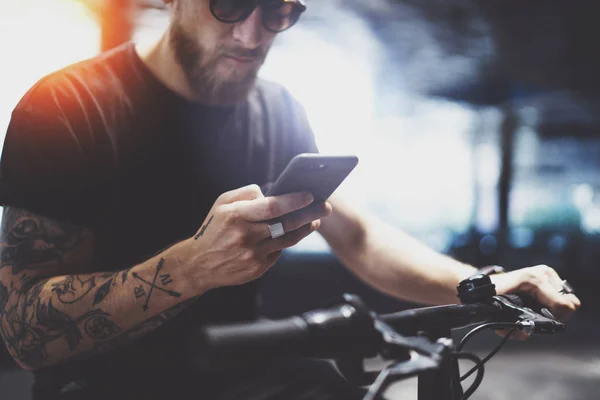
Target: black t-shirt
(105, 145)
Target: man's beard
(201, 73)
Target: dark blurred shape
(483, 52)
(540, 45)
(488, 245)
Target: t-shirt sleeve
(43, 168)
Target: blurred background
(477, 125)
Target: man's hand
(543, 284)
(234, 245)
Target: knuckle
(546, 270)
(230, 216)
(255, 189)
(237, 236)
(224, 198)
(532, 279)
(248, 256)
(533, 276)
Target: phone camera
(318, 166)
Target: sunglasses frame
(252, 5)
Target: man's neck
(160, 60)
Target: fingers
(544, 284)
(305, 216)
(554, 278)
(269, 208)
(574, 299)
(291, 238)
(559, 284)
(547, 295)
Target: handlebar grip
(334, 332)
(221, 345)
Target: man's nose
(250, 32)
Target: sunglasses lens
(280, 15)
(230, 10)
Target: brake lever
(542, 322)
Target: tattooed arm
(47, 320)
(47, 316)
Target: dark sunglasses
(277, 15)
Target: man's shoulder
(267, 87)
(72, 85)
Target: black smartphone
(313, 173)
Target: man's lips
(242, 59)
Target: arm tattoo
(72, 289)
(100, 327)
(29, 242)
(30, 320)
(203, 229)
(165, 279)
(143, 328)
(35, 311)
(30, 323)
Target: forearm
(390, 260)
(401, 266)
(47, 322)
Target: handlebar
(351, 330)
(323, 333)
(504, 308)
(417, 340)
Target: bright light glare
(415, 167)
(38, 37)
(591, 221)
(333, 84)
(583, 195)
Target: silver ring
(276, 230)
(566, 288)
